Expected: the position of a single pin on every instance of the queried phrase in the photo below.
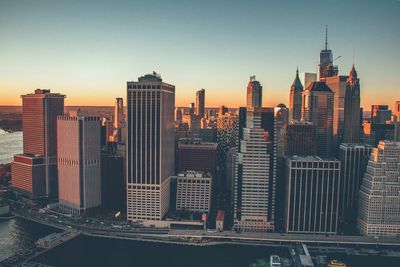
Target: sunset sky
(89, 49)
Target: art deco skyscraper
(150, 147)
(379, 204)
(352, 109)
(318, 109)
(79, 169)
(34, 172)
(254, 93)
(200, 102)
(295, 99)
(119, 121)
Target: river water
(10, 144)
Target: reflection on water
(17, 234)
(10, 144)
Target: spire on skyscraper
(326, 37)
(297, 83)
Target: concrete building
(79, 163)
(195, 155)
(318, 109)
(353, 159)
(219, 222)
(34, 173)
(301, 139)
(295, 99)
(193, 191)
(379, 202)
(312, 195)
(150, 147)
(254, 93)
(200, 102)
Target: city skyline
(88, 51)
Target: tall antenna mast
(326, 37)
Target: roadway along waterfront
(202, 238)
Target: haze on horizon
(89, 50)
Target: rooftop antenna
(326, 37)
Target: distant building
(312, 195)
(200, 102)
(178, 115)
(79, 163)
(318, 109)
(301, 139)
(150, 147)
(34, 173)
(379, 203)
(222, 110)
(119, 120)
(193, 191)
(353, 158)
(195, 155)
(396, 109)
(380, 114)
(193, 121)
(351, 131)
(306, 78)
(254, 93)
(192, 108)
(375, 132)
(295, 99)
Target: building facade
(379, 201)
(79, 163)
(193, 191)
(150, 147)
(318, 109)
(254, 93)
(351, 130)
(312, 195)
(34, 173)
(353, 159)
(301, 139)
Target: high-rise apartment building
(34, 173)
(312, 195)
(295, 99)
(379, 201)
(351, 129)
(301, 139)
(200, 102)
(353, 158)
(318, 109)
(150, 147)
(79, 163)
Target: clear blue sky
(89, 49)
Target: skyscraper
(318, 109)
(200, 102)
(312, 195)
(379, 208)
(306, 78)
(119, 121)
(352, 109)
(353, 158)
(34, 173)
(396, 109)
(325, 67)
(295, 99)
(79, 163)
(253, 200)
(254, 93)
(150, 147)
